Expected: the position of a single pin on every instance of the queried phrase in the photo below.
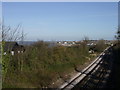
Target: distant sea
(26, 42)
(51, 43)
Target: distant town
(67, 43)
(90, 42)
(19, 46)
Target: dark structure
(13, 48)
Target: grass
(41, 65)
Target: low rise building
(13, 48)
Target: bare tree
(86, 39)
(12, 34)
(118, 34)
(22, 36)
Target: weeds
(40, 65)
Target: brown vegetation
(41, 65)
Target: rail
(85, 72)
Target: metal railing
(84, 73)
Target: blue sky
(63, 20)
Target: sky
(51, 21)
(60, 0)
(118, 13)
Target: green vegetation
(99, 47)
(40, 65)
(116, 64)
(5, 62)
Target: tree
(86, 39)
(118, 34)
(100, 46)
(12, 34)
(9, 34)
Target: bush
(100, 46)
(37, 66)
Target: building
(13, 48)
(66, 43)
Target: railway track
(93, 76)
